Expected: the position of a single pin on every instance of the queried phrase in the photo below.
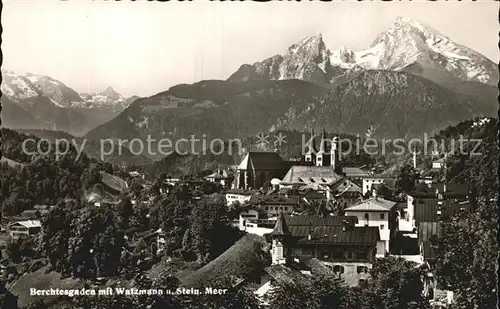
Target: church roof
(298, 174)
(261, 161)
(280, 229)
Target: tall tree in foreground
(467, 250)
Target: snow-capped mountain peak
(412, 46)
(107, 98)
(111, 93)
(309, 59)
(19, 87)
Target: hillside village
(236, 203)
(312, 216)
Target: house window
(338, 269)
(267, 207)
(351, 255)
(367, 216)
(362, 254)
(337, 254)
(286, 208)
(362, 269)
(382, 216)
(382, 226)
(362, 283)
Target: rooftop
(275, 199)
(354, 172)
(28, 223)
(220, 174)
(346, 185)
(310, 174)
(284, 274)
(313, 220)
(373, 204)
(261, 161)
(242, 192)
(336, 235)
(280, 229)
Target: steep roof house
(333, 240)
(377, 212)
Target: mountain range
(406, 46)
(411, 79)
(42, 102)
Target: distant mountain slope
(14, 116)
(397, 103)
(390, 103)
(219, 109)
(54, 116)
(60, 107)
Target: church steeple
(310, 151)
(280, 236)
(280, 228)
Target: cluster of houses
(317, 209)
(316, 213)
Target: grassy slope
(245, 256)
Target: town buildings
(239, 196)
(334, 240)
(221, 176)
(259, 168)
(377, 212)
(345, 192)
(369, 181)
(21, 229)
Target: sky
(142, 48)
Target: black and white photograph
(249, 155)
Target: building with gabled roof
(345, 192)
(257, 168)
(21, 229)
(239, 196)
(335, 241)
(274, 204)
(377, 212)
(221, 176)
(298, 176)
(371, 180)
(354, 173)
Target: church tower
(322, 156)
(310, 149)
(280, 239)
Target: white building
(438, 164)
(374, 180)
(240, 196)
(22, 229)
(376, 212)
